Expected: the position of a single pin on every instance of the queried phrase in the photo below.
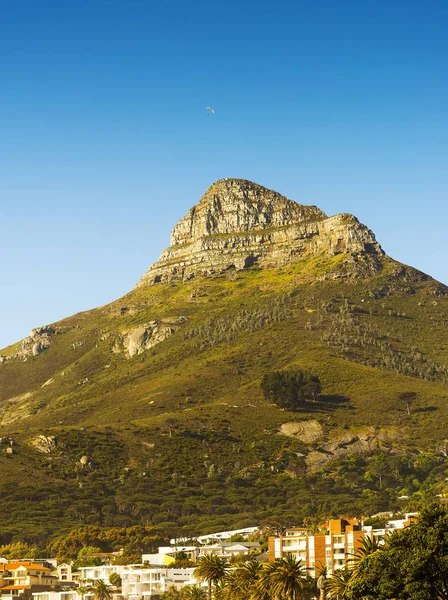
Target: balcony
(296, 546)
(339, 556)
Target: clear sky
(105, 141)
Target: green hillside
(181, 437)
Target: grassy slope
(205, 378)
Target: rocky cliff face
(238, 224)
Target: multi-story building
(335, 546)
(147, 583)
(332, 549)
(22, 578)
(101, 572)
(391, 525)
(167, 554)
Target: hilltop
(149, 410)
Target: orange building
(23, 578)
(333, 549)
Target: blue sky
(105, 142)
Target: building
(391, 525)
(227, 535)
(332, 549)
(64, 573)
(24, 578)
(147, 583)
(167, 554)
(101, 572)
(51, 595)
(218, 536)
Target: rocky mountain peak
(236, 206)
(238, 223)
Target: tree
(338, 586)
(367, 547)
(101, 591)
(311, 387)
(115, 579)
(408, 398)
(21, 549)
(194, 592)
(82, 591)
(412, 564)
(322, 581)
(212, 569)
(173, 594)
(244, 582)
(284, 578)
(170, 422)
(288, 389)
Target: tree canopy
(412, 564)
(289, 389)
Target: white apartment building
(102, 572)
(72, 595)
(145, 583)
(167, 554)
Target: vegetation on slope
(180, 437)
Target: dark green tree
(408, 398)
(413, 564)
(289, 389)
(115, 580)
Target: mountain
(150, 411)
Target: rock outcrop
(146, 336)
(44, 443)
(238, 224)
(361, 442)
(37, 342)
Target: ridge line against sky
(106, 141)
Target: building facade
(333, 549)
(22, 578)
(147, 583)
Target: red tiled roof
(28, 565)
(15, 587)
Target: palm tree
(233, 585)
(101, 591)
(82, 591)
(322, 581)
(242, 582)
(338, 584)
(367, 547)
(212, 569)
(194, 592)
(283, 578)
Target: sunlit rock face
(238, 224)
